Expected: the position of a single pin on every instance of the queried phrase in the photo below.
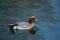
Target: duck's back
(23, 25)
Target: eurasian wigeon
(25, 25)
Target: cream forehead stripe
(32, 16)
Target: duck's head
(32, 19)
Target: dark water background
(46, 11)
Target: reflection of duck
(25, 25)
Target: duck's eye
(33, 18)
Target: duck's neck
(31, 22)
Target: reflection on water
(46, 11)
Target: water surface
(46, 11)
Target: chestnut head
(32, 19)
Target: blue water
(46, 11)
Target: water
(46, 11)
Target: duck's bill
(36, 19)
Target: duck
(24, 25)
